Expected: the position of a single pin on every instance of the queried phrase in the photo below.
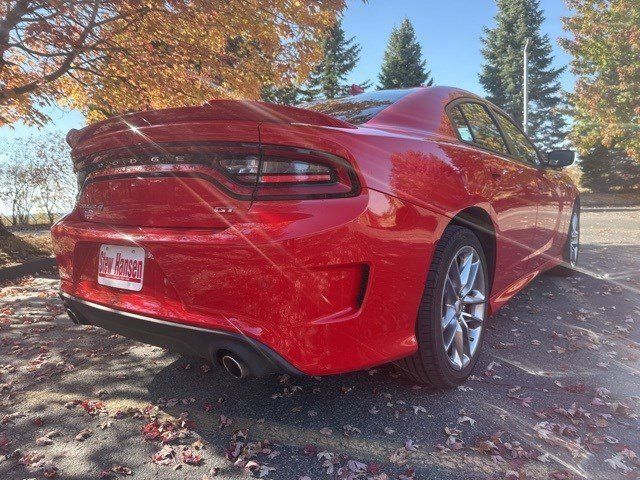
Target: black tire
(565, 269)
(430, 364)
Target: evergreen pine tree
(403, 66)
(607, 170)
(340, 57)
(502, 72)
(288, 95)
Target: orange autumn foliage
(605, 44)
(106, 57)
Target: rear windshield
(357, 109)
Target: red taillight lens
(243, 171)
(281, 173)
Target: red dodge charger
(381, 227)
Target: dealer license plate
(121, 267)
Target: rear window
(357, 109)
(484, 130)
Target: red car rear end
(244, 230)
(279, 239)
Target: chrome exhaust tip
(234, 367)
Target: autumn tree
(605, 45)
(56, 185)
(502, 70)
(403, 65)
(18, 180)
(106, 57)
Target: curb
(27, 268)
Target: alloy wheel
(574, 239)
(463, 307)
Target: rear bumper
(331, 287)
(196, 341)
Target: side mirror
(560, 158)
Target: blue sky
(448, 30)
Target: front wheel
(571, 250)
(452, 312)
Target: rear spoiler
(230, 110)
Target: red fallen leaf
(92, 407)
(50, 472)
(233, 450)
(577, 388)
(4, 444)
(119, 469)
(373, 468)
(310, 450)
(206, 406)
(485, 446)
(151, 431)
(409, 473)
(166, 431)
(188, 424)
(190, 457)
(166, 456)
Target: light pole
(525, 109)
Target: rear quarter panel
(432, 172)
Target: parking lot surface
(556, 394)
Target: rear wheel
(452, 312)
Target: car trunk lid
(171, 167)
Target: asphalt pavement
(556, 394)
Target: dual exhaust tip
(233, 365)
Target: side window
(460, 124)
(523, 148)
(485, 132)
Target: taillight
(276, 171)
(244, 171)
(292, 173)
